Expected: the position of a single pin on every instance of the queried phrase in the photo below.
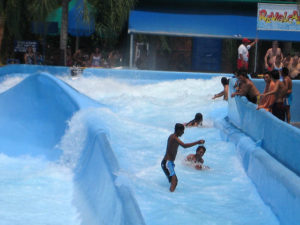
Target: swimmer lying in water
(195, 122)
(196, 159)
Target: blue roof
(203, 25)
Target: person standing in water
(167, 163)
(224, 93)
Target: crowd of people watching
(275, 60)
(277, 95)
(79, 58)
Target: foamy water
(139, 117)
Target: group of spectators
(80, 59)
(273, 60)
(95, 59)
(277, 95)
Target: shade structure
(78, 25)
(208, 24)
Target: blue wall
(207, 54)
(269, 149)
(123, 73)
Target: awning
(203, 25)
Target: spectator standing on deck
(243, 53)
(96, 58)
(294, 67)
(271, 54)
(78, 58)
(29, 57)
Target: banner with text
(281, 17)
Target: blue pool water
(138, 116)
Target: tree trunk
(64, 32)
(2, 25)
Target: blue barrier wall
(116, 73)
(33, 119)
(269, 149)
(277, 137)
(277, 185)
(29, 69)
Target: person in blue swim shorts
(167, 163)
(289, 97)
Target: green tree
(15, 14)
(111, 17)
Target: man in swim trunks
(280, 90)
(167, 163)
(197, 158)
(243, 53)
(246, 88)
(288, 99)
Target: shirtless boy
(167, 163)
(246, 88)
(197, 158)
(267, 102)
(280, 90)
(224, 93)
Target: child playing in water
(197, 159)
(167, 164)
(224, 93)
(197, 121)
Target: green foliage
(41, 8)
(111, 16)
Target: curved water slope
(34, 119)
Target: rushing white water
(139, 117)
